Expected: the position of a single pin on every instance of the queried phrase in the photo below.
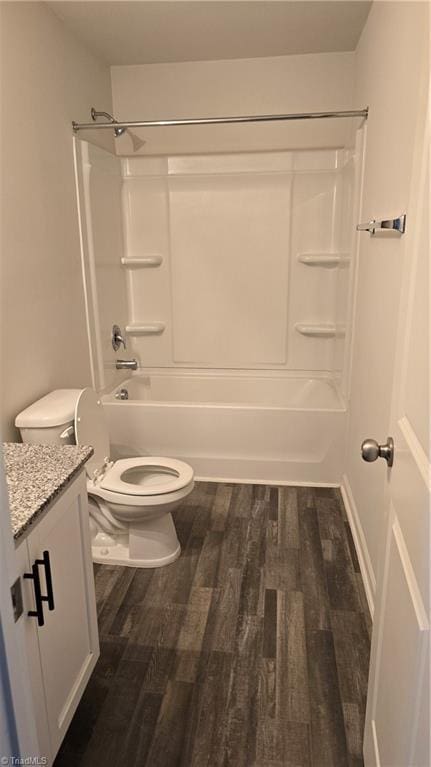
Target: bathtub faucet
(126, 364)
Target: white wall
(47, 79)
(392, 58)
(312, 82)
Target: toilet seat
(145, 480)
(138, 501)
(152, 476)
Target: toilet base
(150, 544)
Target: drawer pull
(38, 612)
(38, 597)
(48, 578)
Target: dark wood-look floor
(250, 651)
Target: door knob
(371, 451)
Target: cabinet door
(27, 640)
(68, 640)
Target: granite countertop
(35, 474)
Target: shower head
(136, 141)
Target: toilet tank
(50, 420)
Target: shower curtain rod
(219, 120)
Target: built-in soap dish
(145, 328)
(142, 262)
(326, 260)
(316, 330)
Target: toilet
(130, 500)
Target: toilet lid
(91, 428)
(146, 476)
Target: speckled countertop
(35, 474)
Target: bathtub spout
(126, 364)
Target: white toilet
(130, 500)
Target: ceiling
(149, 32)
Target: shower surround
(232, 276)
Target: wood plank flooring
(250, 651)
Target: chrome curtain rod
(220, 120)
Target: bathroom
(231, 288)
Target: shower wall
(348, 215)
(239, 261)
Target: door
(68, 640)
(398, 714)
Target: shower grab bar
(395, 224)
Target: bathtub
(234, 428)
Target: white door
(397, 728)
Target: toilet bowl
(130, 500)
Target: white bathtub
(234, 427)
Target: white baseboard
(360, 542)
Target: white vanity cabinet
(61, 637)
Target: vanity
(54, 598)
